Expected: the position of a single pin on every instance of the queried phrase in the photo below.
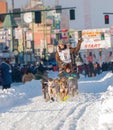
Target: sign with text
(29, 36)
(95, 38)
(18, 33)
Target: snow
(22, 107)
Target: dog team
(61, 88)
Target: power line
(12, 5)
(9, 13)
(107, 13)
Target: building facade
(3, 9)
(88, 13)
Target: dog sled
(59, 89)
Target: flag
(64, 33)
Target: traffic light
(72, 14)
(106, 18)
(37, 16)
(58, 9)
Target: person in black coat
(6, 73)
(40, 71)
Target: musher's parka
(71, 52)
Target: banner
(18, 33)
(29, 36)
(95, 38)
(64, 33)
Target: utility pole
(12, 28)
(12, 5)
(56, 2)
(87, 16)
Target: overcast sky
(17, 3)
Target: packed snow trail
(40, 115)
(23, 107)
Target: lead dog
(73, 87)
(63, 88)
(45, 89)
(52, 90)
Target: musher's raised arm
(63, 53)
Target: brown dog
(45, 89)
(73, 87)
(52, 90)
(63, 88)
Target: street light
(24, 45)
(44, 31)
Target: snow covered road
(23, 108)
(51, 116)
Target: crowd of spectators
(19, 71)
(92, 69)
(88, 70)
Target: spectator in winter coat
(91, 69)
(40, 71)
(85, 66)
(0, 75)
(65, 55)
(16, 74)
(6, 73)
(28, 76)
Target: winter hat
(68, 66)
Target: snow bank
(106, 110)
(18, 95)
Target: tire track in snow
(71, 121)
(76, 111)
(71, 117)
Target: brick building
(3, 9)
